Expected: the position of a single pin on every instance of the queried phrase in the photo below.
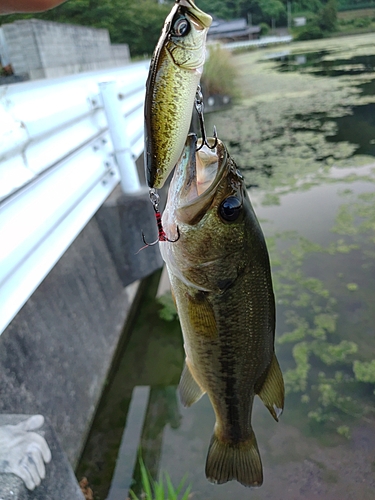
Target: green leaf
(146, 480)
(133, 495)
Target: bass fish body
(220, 277)
(174, 76)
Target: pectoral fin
(201, 315)
(272, 390)
(189, 390)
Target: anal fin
(272, 390)
(189, 390)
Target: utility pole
(289, 11)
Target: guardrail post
(117, 127)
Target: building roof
(229, 29)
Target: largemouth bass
(220, 277)
(174, 76)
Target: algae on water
(280, 138)
(329, 366)
(278, 134)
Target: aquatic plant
(364, 371)
(168, 310)
(335, 397)
(357, 216)
(344, 430)
(331, 370)
(283, 124)
(159, 490)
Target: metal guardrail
(262, 42)
(64, 146)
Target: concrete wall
(120, 53)
(22, 48)
(56, 354)
(45, 49)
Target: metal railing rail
(262, 42)
(60, 158)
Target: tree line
(265, 10)
(138, 22)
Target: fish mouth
(199, 174)
(204, 19)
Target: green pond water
(306, 141)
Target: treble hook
(199, 107)
(154, 197)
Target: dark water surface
(357, 128)
(321, 240)
(316, 61)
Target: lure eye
(181, 26)
(230, 209)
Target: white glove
(23, 453)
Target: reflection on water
(368, 88)
(320, 65)
(319, 220)
(358, 128)
(289, 61)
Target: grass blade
(155, 490)
(172, 494)
(159, 490)
(133, 495)
(146, 480)
(187, 493)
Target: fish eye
(181, 26)
(230, 209)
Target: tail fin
(240, 461)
